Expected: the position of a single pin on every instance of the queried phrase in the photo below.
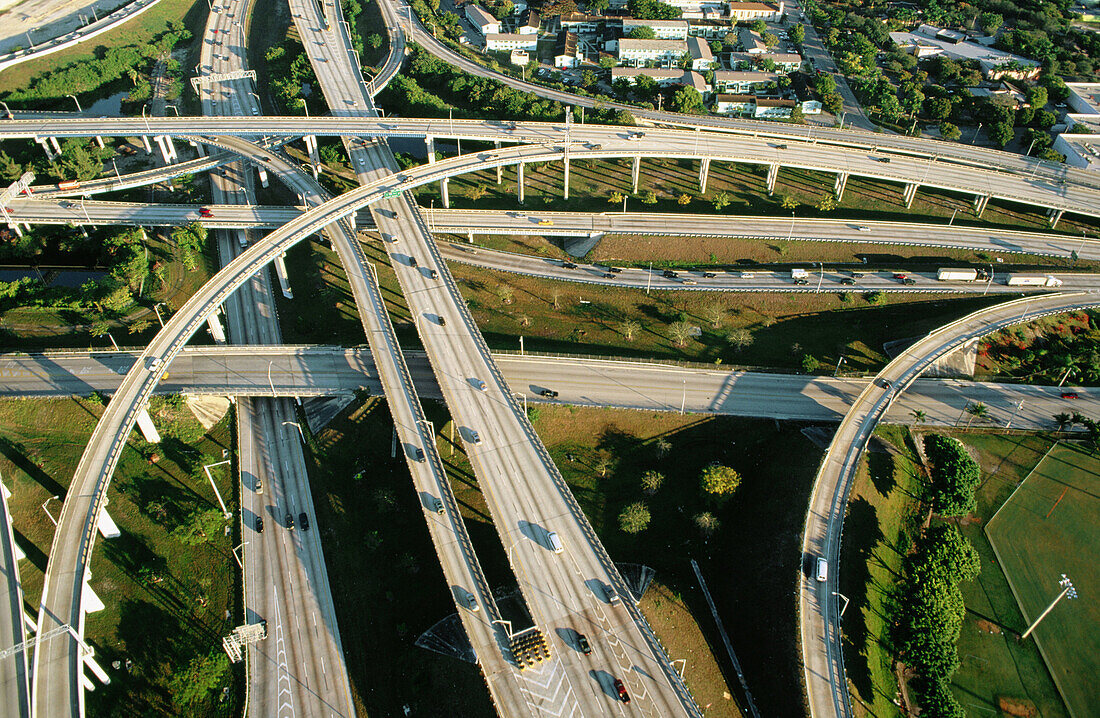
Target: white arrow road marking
(286, 696)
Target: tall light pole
(76, 101)
(839, 361)
(206, 468)
(159, 319)
(1019, 405)
(1067, 590)
(47, 510)
(845, 607)
(299, 427)
(820, 275)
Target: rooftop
(480, 15)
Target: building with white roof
(482, 21)
(930, 41)
(506, 42)
(766, 11)
(663, 29)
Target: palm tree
(1062, 420)
(628, 328)
(919, 416)
(977, 410)
(680, 332)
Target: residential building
(1080, 150)
(741, 81)
(783, 61)
(639, 52)
(529, 23)
(698, 8)
(519, 58)
(506, 42)
(482, 21)
(709, 29)
(751, 41)
(929, 41)
(663, 29)
(579, 22)
(701, 56)
(774, 108)
(766, 11)
(1084, 97)
(566, 52)
(734, 104)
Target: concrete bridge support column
(1055, 216)
(163, 149)
(841, 182)
(565, 182)
(107, 527)
(314, 157)
(15, 227)
(56, 146)
(500, 168)
(148, 430)
(148, 147)
(636, 172)
(773, 173)
(430, 142)
(99, 141)
(704, 173)
(445, 190)
(519, 181)
(910, 194)
(216, 330)
(171, 148)
(46, 146)
(94, 667)
(979, 204)
(90, 602)
(284, 278)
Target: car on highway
(608, 275)
(848, 280)
(437, 505)
(480, 385)
(709, 275)
(802, 281)
(822, 572)
(259, 486)
(205, 212)
(900, 276)
(1070, 395)
(412, 262)
(620, 689)
(568, 265)
(259, 524)
(583, 645)
(546, 221)
(863, 228)
(475, 437)
(418, 454)
(669, 274)
(441, 320)
(548, 393)
(908, 280)
(554, 542)
(152, 363)
(614, 270)
(303, 521)
(688, 281)
(471, 602)
(432, 274)
(748, 275)
(290, 521)
(611, 594)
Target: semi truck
(947, 274)
(1033, 280)
(799, 274)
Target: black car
(259, 524)
(582, 643)
(669, 274)
(848, 280)
(433, 274)
(568, 265)
(290, 521)
(549, 393)
(614, 270)
(419, 454)
(908, 280)
(303, 521)
(608, 275)
(801, 280)
(709, 275)
(412, 261)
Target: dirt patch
(1020, 707)
(986, 627)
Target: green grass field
(1046, 528)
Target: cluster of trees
(191, 243)
(929, 613)
(289, 68)
(1067, 350)
(89, 75)
(954, 476)
(431, 87)
(652, 10)
(717, 482)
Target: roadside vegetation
(1062, 349)
(164, 580)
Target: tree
(374, 40)
(919, 416)
(954, 476)
(598, 6)
(708, 523)
(684, 199)
(652, 10)
(1045, 119)
(680, 332)
(949, 131)
(662, 447)
(139, 326)
(977, 410)
(642, 32)
(721, 201)
(1037, 97)
(810, 364)
(826, 204)
(789, 202)
(715, 312)
(687, 99)
(797, 34)
(1063, 420)
(603, 463)
(616, 198)
(990, 22)
(201, 526)
(199, 679)
(759, 27)
(770, 39)
(739, 339)
(649, 197)
(1001, 134)
(505, 293)
(629, 328)
(99, 328)
(634, 518)
(719, 481)
(652, 481)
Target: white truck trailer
(1033, 280)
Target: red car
(1070, 395)
(205, 212)
(621, 690)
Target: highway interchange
(562, 593)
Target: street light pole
(206, 468)
(839, 361)
(684, 398)
(1019, 405)
(299, 427)
(845, 607)
(47, 510)
(649, 279)
(1067, 590)
(269, 382)
(157, 310)
(820, 275)
(76, 101)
